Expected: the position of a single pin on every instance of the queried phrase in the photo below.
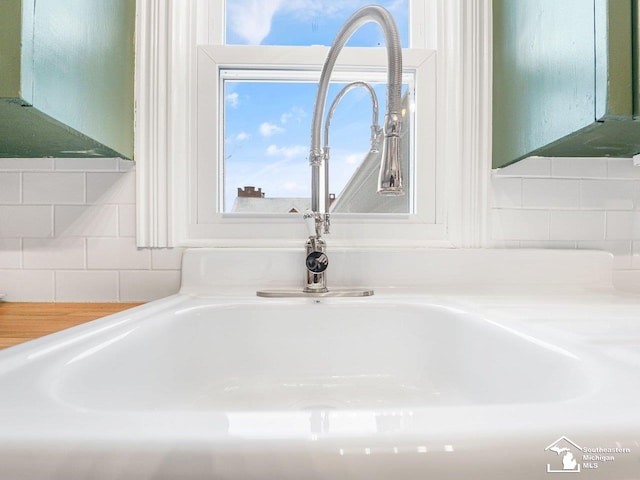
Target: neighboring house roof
(270, 205)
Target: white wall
(67, 226)
(574, 203)
(67, 233)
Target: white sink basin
(304, 355)
(243, 387)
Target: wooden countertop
(20, 322)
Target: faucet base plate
(340, 292)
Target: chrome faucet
(389, 178)
(319, 223)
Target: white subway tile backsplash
(116, 254)
(52, 188)
(111, 188)
(27, 285)
(507, 192)
(579, 167)
(622, 168)
(126, 220)
(166, 258)
(536, 203)
(609, 194)
(10, 253)
(529, 167)
(26, 164)
(86, 221)
(518, 224)
(86, 164)
(577, 225)
(623, 225)
(54, 253)
(606, 217)
(550, 193)
(25, 221)
(9, 187)
(86, 286)
(56, 247)
(148, 285)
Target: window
(254, 108)
(265, 118)
(177, 156)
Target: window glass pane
(266, 147)
(306, 22)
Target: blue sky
(305, 22)
(267, 140)
(267, 124)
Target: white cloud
(296, 113)
(233, 99)
(242, 136)
(287, 153)
(306, 9)
(267, 129)
(251, 19)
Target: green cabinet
(565, 79)
(66, 78)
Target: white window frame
(208, 225)
(167, 122)
(275, 73)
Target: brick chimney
(250, 192)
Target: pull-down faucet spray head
(390, 177)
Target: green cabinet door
(66, 78)
(564, 79)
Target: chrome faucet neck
(383, 18)
(390, 178)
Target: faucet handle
(317, 261)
